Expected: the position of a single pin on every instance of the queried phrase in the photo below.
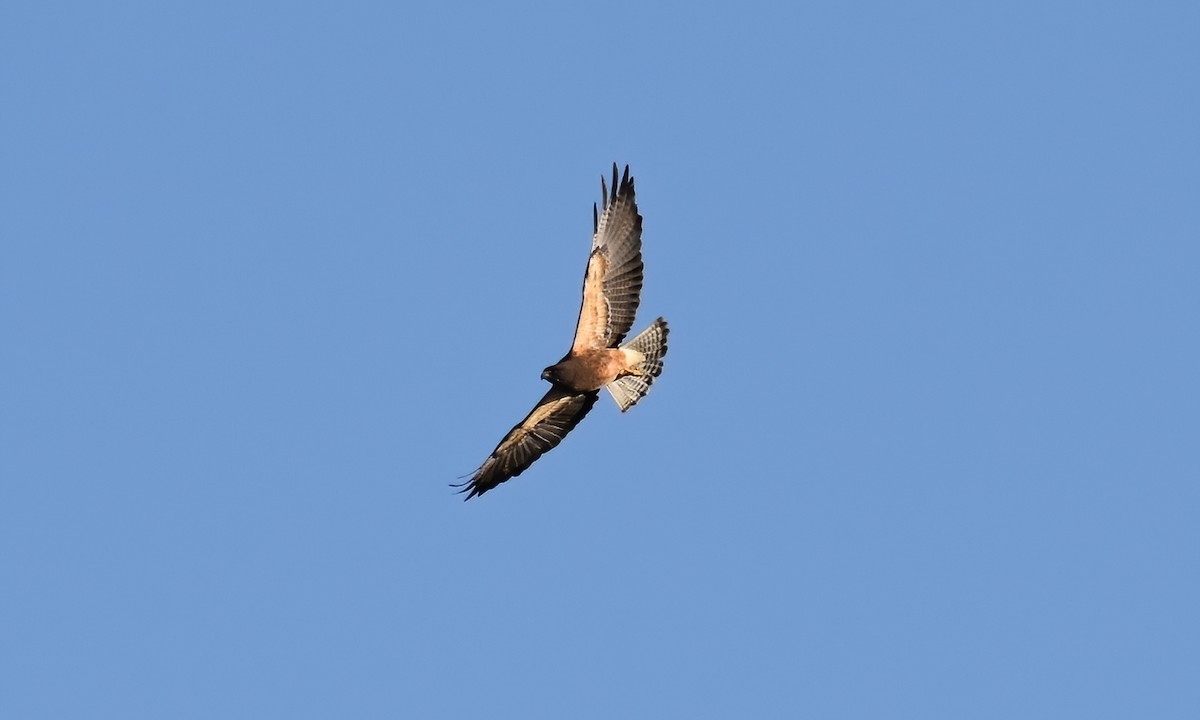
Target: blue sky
(926, 444)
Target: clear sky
(927, 444)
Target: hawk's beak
(546, 375)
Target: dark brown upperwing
(552, 418)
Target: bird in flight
(612, 287)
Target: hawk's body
(612, 289)
(591, 369)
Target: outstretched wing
(552, 418)
(612, 285)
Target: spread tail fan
(651, 344)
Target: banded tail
(651, 344)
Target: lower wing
(552, 418)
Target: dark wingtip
(625, 187)
(469, 486)
(621, 184)
(595, 219)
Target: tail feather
(652, 344)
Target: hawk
(612, 287)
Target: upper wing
(552, 418)
(612, 285)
